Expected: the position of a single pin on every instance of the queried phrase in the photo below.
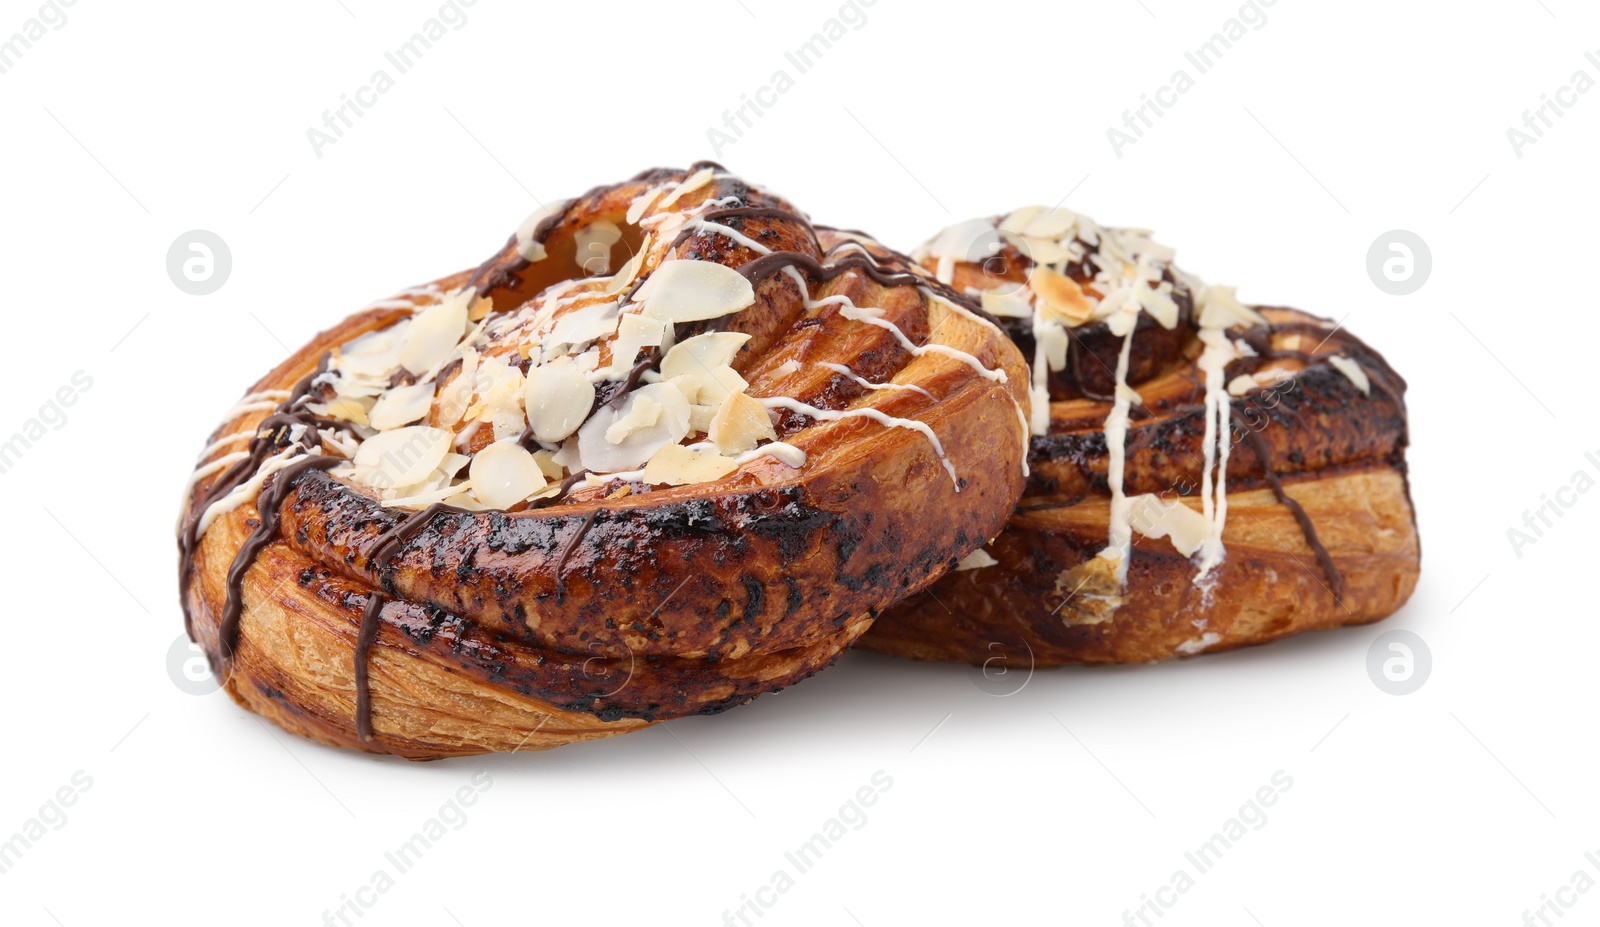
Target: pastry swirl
(1204, 474)
(671, 447)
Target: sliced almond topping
(1272, 375)
(402, 457)
(547, 464)
(676, 465)
(689, 291)
(1050, 223)
(624, 278)
(558, 398)
(700, 417)
(587, 323)
(375, 354)
(641, 414)
(1005, 305)
(690, 184)
(480, 309)
(434, 333)
(347, 410)
(1159, 303)
(1019, 221)
(634, 333)
(976, 560)
(636, 209)
(1243, 383)
(739, 424)
(670, 424)
(503, 474)
(1060, 297)
(1155, 519)
(401, 406)
(1220, 308)
(1043, 250)
(457, 394)
(1353, 371)
(702, 353)
(709, 387)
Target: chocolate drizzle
(364, 640)
(267, 504)
(272, 435)
(1263, 453)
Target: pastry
(669, 448)
(1204, 474)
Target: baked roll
(1205, 474)
(669, 448)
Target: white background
(1463, 803)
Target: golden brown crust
(1269, 586)
(622, 605)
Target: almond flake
(401, 406)
(623, 278)
(664, 406)
(1050, 223)
(676, 465)
(976, 560)
(1159, 303)
(690, 184)
(434, 334)
(1243, 383)
(403, 456)
(636, 209)
(702, 353)
(1019, 221)
(634, 333)
(740, 424)
(1060, 296)
(584, 324)
(1353, 371)
(1043, 250)
(1220, 308)
(691, 291)
(547, 464)
(458, 393)
(346, 410)
(709, 387)
(1005, 305)
(503, 474)
(1155, 519)
(558, 398)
